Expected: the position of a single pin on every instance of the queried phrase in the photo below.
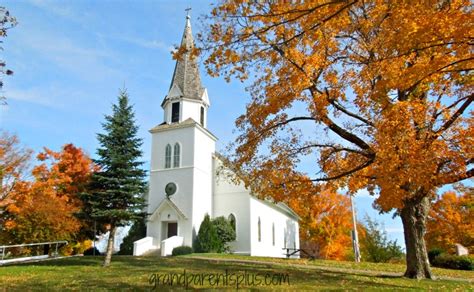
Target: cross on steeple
(188, 16)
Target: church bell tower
(180, 189)
(186, 98)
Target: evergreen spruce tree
(207, 239)
(137, 231)
(225, 233)
(116, 194)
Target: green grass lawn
(134, 273)
(370, 267)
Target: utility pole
(355, 238)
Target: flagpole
(355, 238)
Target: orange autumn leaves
(326, 224)
(44, 208)
(451, 221)
(389, 80)
(377, 95)
(14, 161)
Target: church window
(202, 116)
(175, 112)
(176, 155)
(259, 230)
(284, 237)
(273, 234)
(232, 221)
(168, 156)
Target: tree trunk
(110, 246)
(413, 216)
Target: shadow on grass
(73, 261)
(128, 272)
(390, 277)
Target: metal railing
(3, 248)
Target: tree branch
(342, 132)
(346, 173)
(455, 116)
(336, 148)
(339, 107)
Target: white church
(187, 179)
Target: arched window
(177, 151)
(168, 156)
(273, 233)
(202, 116)
(284, 237)
(259, 230)
(232, 222)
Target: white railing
(143, 245)
(4, 254)
(168, 244)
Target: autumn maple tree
(14, 162)
(451, 221)
(326, 224)
(377, 93)
(45, 208)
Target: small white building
(187, 179)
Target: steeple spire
(186, 76)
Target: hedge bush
(225, 233)
(207, 239)
(181, 250)
(90, 251)
(136, 232)
(375, 245)
(214, 235)
(432, 254)
(454, 262)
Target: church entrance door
(172, 229)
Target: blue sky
(70, 59)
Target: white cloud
(150, 44)
(60, 8)
(50, 5)
(144, 43)
(32, 95)
(394, 229)
(89, 63)
(365, 194)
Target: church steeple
(186, 98)
(186, 81)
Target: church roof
(280, 206)
(171, 204)
(186, 79)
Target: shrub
(66, 250)
(375, 245)
(454, 262)
(214, 235)
(207, 239)
(182, 250)
(90, 251)
(136, 232)
(225, 233)
(432, 254)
